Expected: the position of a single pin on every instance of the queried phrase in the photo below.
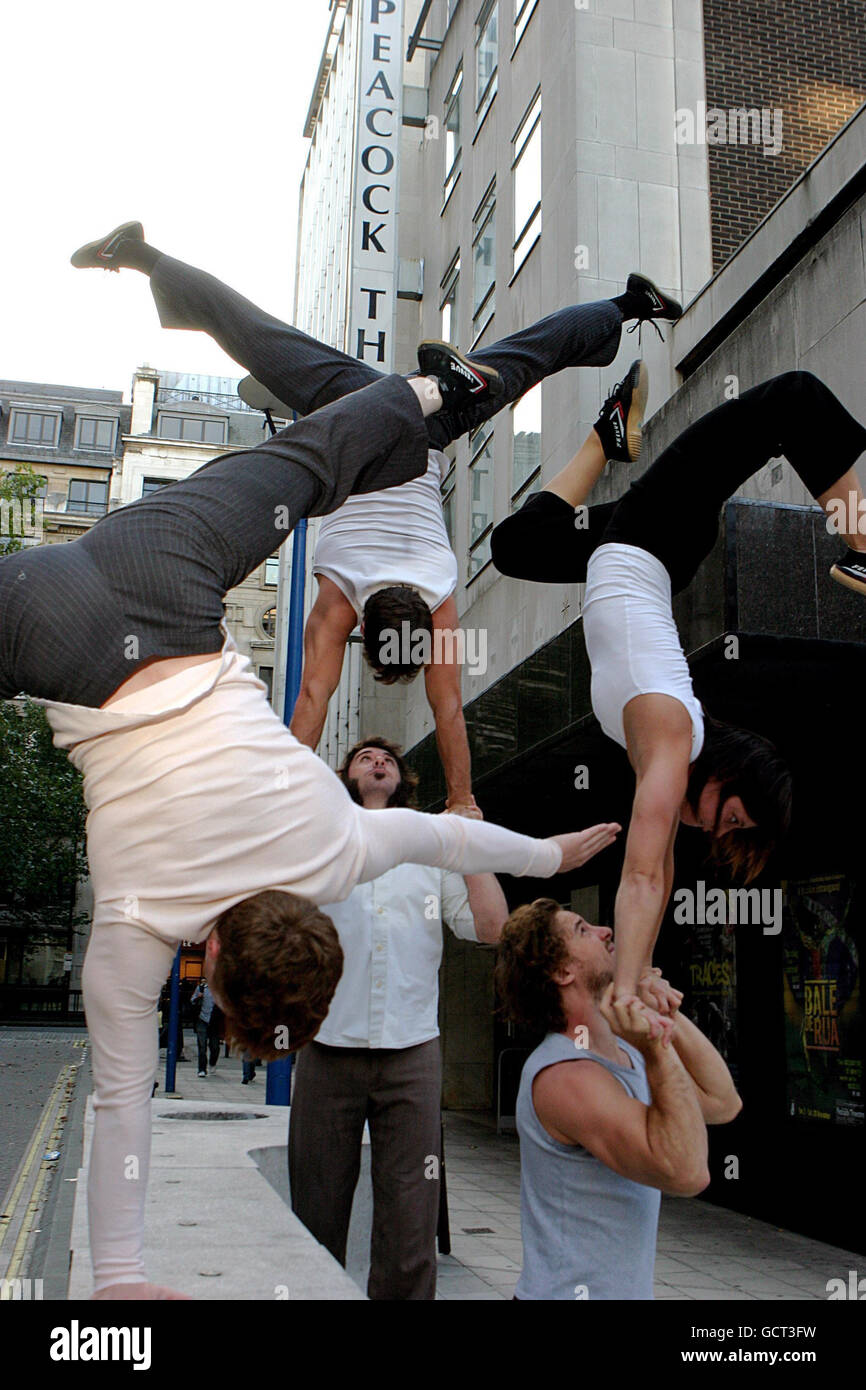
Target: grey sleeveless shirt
(587, 1232)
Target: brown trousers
(398, 1090)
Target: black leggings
(673, 509)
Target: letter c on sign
(371, 123)
(366, 196)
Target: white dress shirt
(391, 934)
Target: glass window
(484, 261)
(269, 622)
(266, 676)
(523, 12)
(149, 485)
(480, 499)
(272, 569)
(86, 498)
(526, 434)
(486, 59)
(94, 433)
(193, 429)
(35, 427)
(448, 301)
(527, 183)
(453, 137)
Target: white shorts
(632, 639)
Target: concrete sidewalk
(216, 1227)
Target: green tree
(16, 491)
(42, 812)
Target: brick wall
(806, 58)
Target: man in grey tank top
(601, 1140)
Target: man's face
(375, 774)
(590, 951)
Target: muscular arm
(658, 730)
(331, 620)
(717, 1095)
(442, 679)
(663, 1144)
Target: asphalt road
(30, 1061)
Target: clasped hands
(647, 1016)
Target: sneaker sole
(88, 257)
(858, 586)
(634, 423)
(490, 374)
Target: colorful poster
(823, 1039)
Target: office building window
(486, 59)
(526, 439)
(272, 570)
(480, 499)
(448, 300)
(527, 183)
(41, 427)
(193, 429)
(449, 503)
(94, 433)
(523, 12)
(149, 485)
(87, 499)
(453, 137)
(484, 262)
(452, 6)
(266, 676)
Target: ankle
(132, 254)
(631, 305)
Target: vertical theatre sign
(375, 260)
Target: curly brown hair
(278, 965)
(386, 611)
(531, 949)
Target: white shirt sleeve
(124, 972)
(399, 836)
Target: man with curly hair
(612, 1108)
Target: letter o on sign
(366, 159)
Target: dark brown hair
(404, 794)
(531, 948)
(386, 611)
(747, 766)
(278, 965)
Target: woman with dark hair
(635, 554)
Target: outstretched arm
(331, 620)
(442, 679)
(716, 1092)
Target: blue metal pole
(279, 1074)
(173, 1025)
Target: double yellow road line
(24, 1198)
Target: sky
(186, 116)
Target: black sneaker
(461, 381)
(620, 422)
(101, 254)
(658, 304)
(851, 571)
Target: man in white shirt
(376, 1056)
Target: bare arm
(717, 1095)
(442, 680)
(331, 620)
(659, 734)
(487, 905)
(663, 1144)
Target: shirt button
(380, 947)
(380, 910)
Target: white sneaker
(202, 1073)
